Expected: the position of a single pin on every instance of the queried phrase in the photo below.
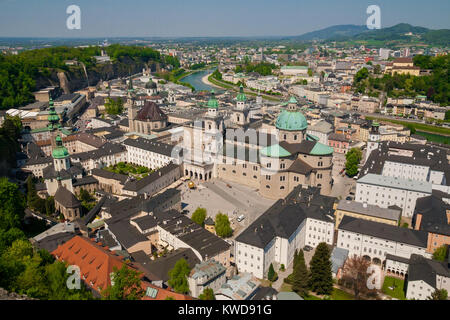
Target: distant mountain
(334, 32)
(401, 32)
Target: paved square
(216, 196)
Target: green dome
(60, 151)
(213, 103)
(293, 100)
(241, 96)
(291, 121)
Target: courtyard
(225, 197)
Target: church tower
(131, 106)
(53, 121)
(374, 139)
(60, 156)
(241, 113)
(213, 106)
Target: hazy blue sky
(109, 18)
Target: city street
(342, 184)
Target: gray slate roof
(384, 231)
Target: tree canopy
(114, 106)
(300, 276)
(199, 216)
(222, 226)
(353, 157)
(440, 254)
(178, 277)
(126, 285)
(321, 280)
(18, 73)
(208, 294)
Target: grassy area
(339, 294)
(434, 137)
(311, 297)
(418, 126)
(398, 285)
(138, 172)
(286, 287)
(336, 295)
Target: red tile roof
(96, 263)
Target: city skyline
(200, 18)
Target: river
(195, 80)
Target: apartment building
(374, 240)
(304, 217)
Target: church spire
(53, 118)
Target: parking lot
(228, 198)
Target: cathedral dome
(291, 121)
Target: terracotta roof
(151, 112)
(403, 60)
(156, 293)
(95, 262)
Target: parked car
(240, 218)
(349, 198)
(307, 248)
(185, 211)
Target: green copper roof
(312, 137)
(292, 100)
(241, 96)
(213, 103)
(275, 151)
(53, 117)
(59, 152)
(321, 150)
(291, 121)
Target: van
(240, 218)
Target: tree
(208, 294)
(114, 107)
(125, 285)
(222, 226)
(12, 205)
(217, 75)
(440, 254)
(353, 157)
(439, 295)
(271, 274)
(321, 280)
(300, 278)
(310, 72)
(178, 277)
(199, 216)
(355, 275)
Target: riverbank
(227, 86)
(207, 82)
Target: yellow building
(210, 225)
(366, 211)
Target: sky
(201, 18)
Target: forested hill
(32, 70)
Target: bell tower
(131, 106)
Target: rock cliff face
(75, 79)
(5, 295)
